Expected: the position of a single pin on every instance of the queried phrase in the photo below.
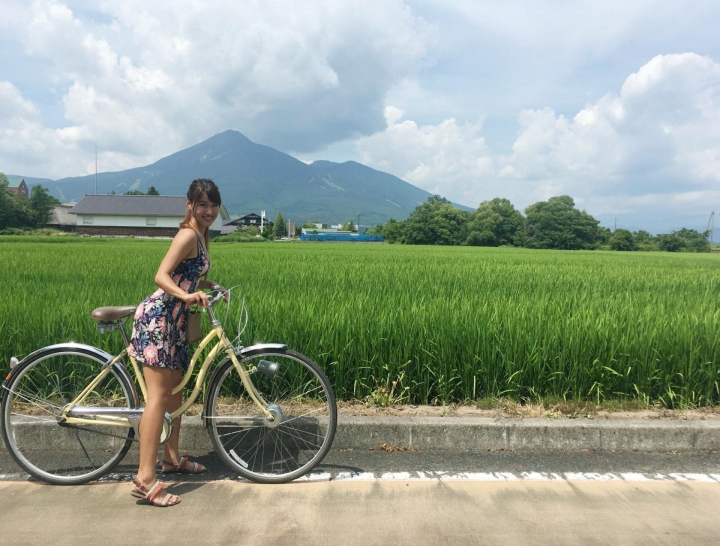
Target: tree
(267, 232)
(252, 231)
(279, 227)
(41, 204)
(436, 222)
(670, 242)
(152, 191)
(695, 241)
(556, 223)
(684, 240)
(644, 241)
(375, 230)
(15, 211)
(348, 226)
(5, 212)
(132, 192)
(622, 239)
(393, 231)
(496, 223)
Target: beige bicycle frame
(223, 343)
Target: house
(244, 222)
(18, 186)
(137, 215)
(60, 218)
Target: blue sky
(614, 103)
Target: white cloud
(659, 136)
(14, 109)
(437, 158)
(146, 79)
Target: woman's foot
(155, 495)
(185, 466)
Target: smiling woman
(160, 335)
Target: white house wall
(137, 221)
(129, 221)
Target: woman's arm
(181, 248)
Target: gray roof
(131, 205)
(60, 216)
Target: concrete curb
(476, 434)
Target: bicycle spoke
(37, 394)
(300, 437)
(267, 450)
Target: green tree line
(552, 224)
(16, 212)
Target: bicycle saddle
(112, 313)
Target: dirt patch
(516, 410)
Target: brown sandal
(151, 495)
(186, 466)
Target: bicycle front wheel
(33, 403)
(276, 450)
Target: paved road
(373, 497)
(343, 462)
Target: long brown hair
(197, 188)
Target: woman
(159, 339)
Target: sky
(615, 103)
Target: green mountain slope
(253, 177)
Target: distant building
(244, 222)
(60, 218)
(18, 186)
(137, 215)
(307, 230)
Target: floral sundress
(159, 334)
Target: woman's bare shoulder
(186, 234)
(185, 239)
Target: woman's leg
(159, 389)
(171, 452)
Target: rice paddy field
(415, 324)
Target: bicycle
(270, 412)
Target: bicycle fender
(253, 350)
(245, 352)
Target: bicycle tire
(279, 451)
(33, 436)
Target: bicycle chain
(66, 425)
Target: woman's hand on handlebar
(196, 298)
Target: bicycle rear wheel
(33, 402)
(282, 449)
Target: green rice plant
(463, 323)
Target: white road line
(513, 476)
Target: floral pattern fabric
(159, 334)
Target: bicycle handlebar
(215, 295)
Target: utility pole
(358, 223)
(614, 230)
(711, 229)
(96, 167)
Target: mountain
(253, 177)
